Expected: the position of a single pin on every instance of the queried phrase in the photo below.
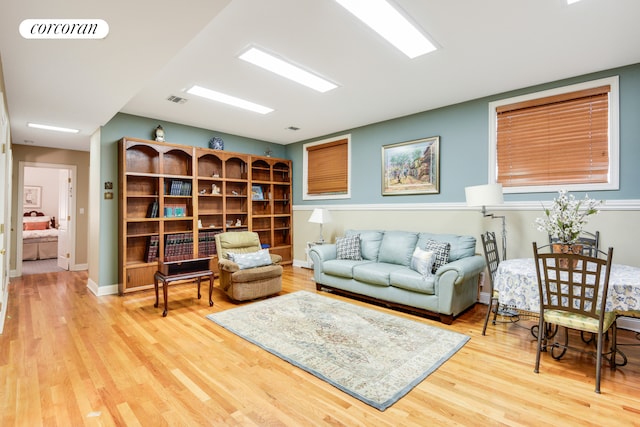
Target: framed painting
(32, 197)
(411, 167)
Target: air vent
(177, 99)
(293, 128)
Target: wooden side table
(193, 269)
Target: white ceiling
(155, 50)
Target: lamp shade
(484, 195)
(320, 216)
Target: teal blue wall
(125, 125)
(463, 131)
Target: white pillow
(251, 259)
(422, 261)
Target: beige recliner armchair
(238, 252)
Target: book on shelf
(178, 246)
(153, 243)
(178, 188)
(152, 211)
(207, 243)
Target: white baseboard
(303, 264)
(79, 267)
(101, 290)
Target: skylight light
(228, 99)
(54, 128)
(286, 69)
(390, 24)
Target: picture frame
(256, 193)
(411, 167)
(32, 197)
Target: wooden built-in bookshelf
(175, 198)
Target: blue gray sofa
(386, 274)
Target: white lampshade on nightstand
(488, 195)
(320, 216)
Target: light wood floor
(69, 358)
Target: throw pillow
(250, 259)
(348, 247)
(36, 225)
(422, 261)
(440, 251)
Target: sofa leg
(447, 319)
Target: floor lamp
(320, 216)
(488, 195)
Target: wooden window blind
(560, 139)
(328, 168)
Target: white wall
(47, 179)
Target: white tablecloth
(517, 284)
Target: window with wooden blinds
(328, 168)
(558, 140)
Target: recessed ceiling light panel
(385, 20)
(286, 69)
(228, 99)
(54, 128)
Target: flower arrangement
(567, 216)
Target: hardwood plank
(68, 357)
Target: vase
(565, 248)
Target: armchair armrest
(275, 258)
(228, 265)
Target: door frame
(72, 209)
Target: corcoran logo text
(64, 29)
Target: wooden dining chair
(492, 257)
(573, 290)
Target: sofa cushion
(397, 247)
(375, 273)
(440, 251)
(341, 267)
(406, 278)
(461, 246)
(348, 247)
(422, 261)
(369, 242)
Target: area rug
(373, 356)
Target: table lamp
(320, 216)
(488, 195)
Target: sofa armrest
(464, 267)
(321, 253)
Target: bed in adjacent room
(39, 236)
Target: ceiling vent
(177, 99)
(293, 128)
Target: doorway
(46, 198)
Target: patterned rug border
(378, 405)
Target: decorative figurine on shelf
(238, 222)
(215, 189)
(216, 174)
(216, 143)
(159, 134)
(203, 191)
